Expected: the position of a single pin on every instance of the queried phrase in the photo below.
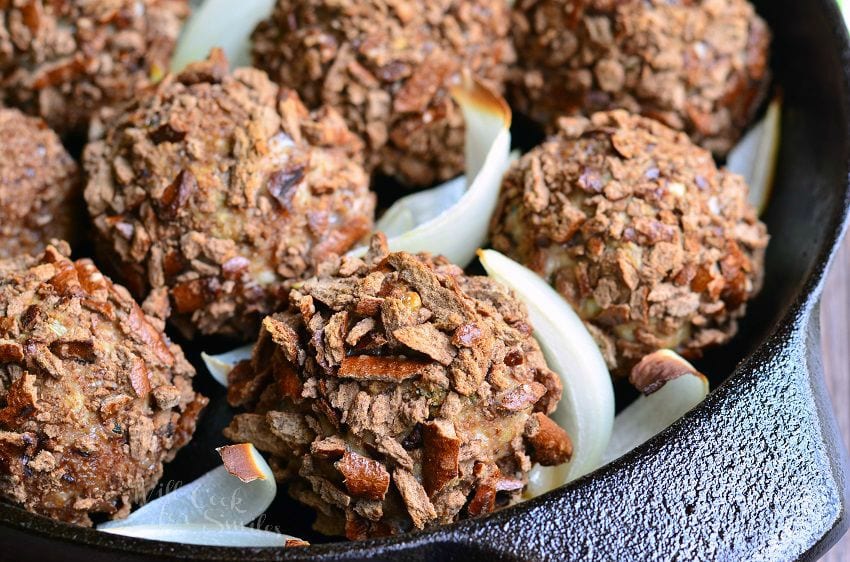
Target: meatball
(39, 186)
(212, 191)
(94, 397)
(397, 393)
(64, 59)
(637, 228)
(699, 67)
(387, 66)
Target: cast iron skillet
(756, 472)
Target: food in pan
(700, 67)
(94, 396)
(212, 191)
(390, 389)
(40, 187)
(65, 59)
(396, 392)
(451, 219)
(387, 67)
(195, 513)
(652, 244)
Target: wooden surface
(835, 325)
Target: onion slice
(214, 509)
(755, 156)
(220, 23)
(220, 365)
(208, 535)
(586, 410)
(217, 500)
(650, 415)
(452, 219)
(418, 208)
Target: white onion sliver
(448, 219)
(755, 156)
(216, 498)
(421, 207)
(586, 410)
(542, 479)
(219, 23)
(650, 415)
(208, 535)
(220, 365)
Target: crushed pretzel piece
(550, 443)
(658, 368)
(240, 461)
(441, 449)
(364, 477)
(389, 369)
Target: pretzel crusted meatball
(65, 59)
(398, 393)
(637, 228)
(697, 66)
(386, 66)
(212, 191)
(93, 397)
(39, 186)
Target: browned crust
(700, 68)
(405, 407)
(94, 397)
(473, 94)
(483, 500)
(215, 191)
(634, 225)
(40, 186)
(389, 68)
(658, 368)
(550, 443)
(441, 454)
(388, 369)
(55, 54)
(241, 462)
(363, 477)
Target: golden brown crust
(550, 444)
(386, 66)
(65, 59)
(638, 229)
(378, 455)
(363, 477)
(700, 67)
(657, 369)
(40, 187)
(93, 398)
(213, 191)
(240, 461)
(440, 455)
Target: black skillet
(756, 472)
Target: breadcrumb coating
(638, 229)
(697, 66)
(40, 187)
(397, 393)
(94, 398)
(65, 59)
(214, 190)
(387, 67)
